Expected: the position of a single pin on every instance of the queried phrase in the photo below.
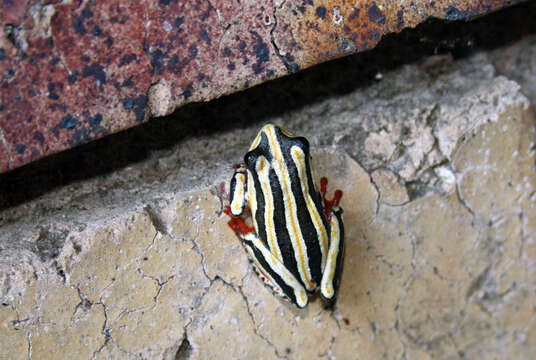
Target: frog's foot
(221, 194)
(238, 224)
(329, 204)
(221, 190)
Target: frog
(296, 243)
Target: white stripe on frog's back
(299, 158)
(291, 215)
(262, 168)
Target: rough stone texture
(75, 71)
(437, 168)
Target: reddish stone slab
(80, 75)
(310, 32)
(76, 72)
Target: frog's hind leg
(333, 268)
(274, 271)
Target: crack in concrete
(240, 291)
(152, 245)
(85, 302)
(132, 354)
(23, 323)
(336, 316)
(126, 311)
(252, 317)
(523, 232)
(328, 354)
(413, 253)
(378, 193)
(105, 331)
(405, 286)
(160, 284)
(185, 348)
(462, 200)
(29, 337)
(478, 282)
(20, 322)
(198, 250)
(436, 272)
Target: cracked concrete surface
(439, 205)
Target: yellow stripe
(329, 272)
(257, 140)
(298, 239)
(298, 156)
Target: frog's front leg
(238, 193)
(333, 267)
(238, 199)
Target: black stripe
(308, 230)
(281, 230)
(287, 290)
(251, 160)
(261, 207)
(315, 195)
(233, 187)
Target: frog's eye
(302, 143)
(250, 159)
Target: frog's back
(286, 208)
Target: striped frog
(297, 240)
